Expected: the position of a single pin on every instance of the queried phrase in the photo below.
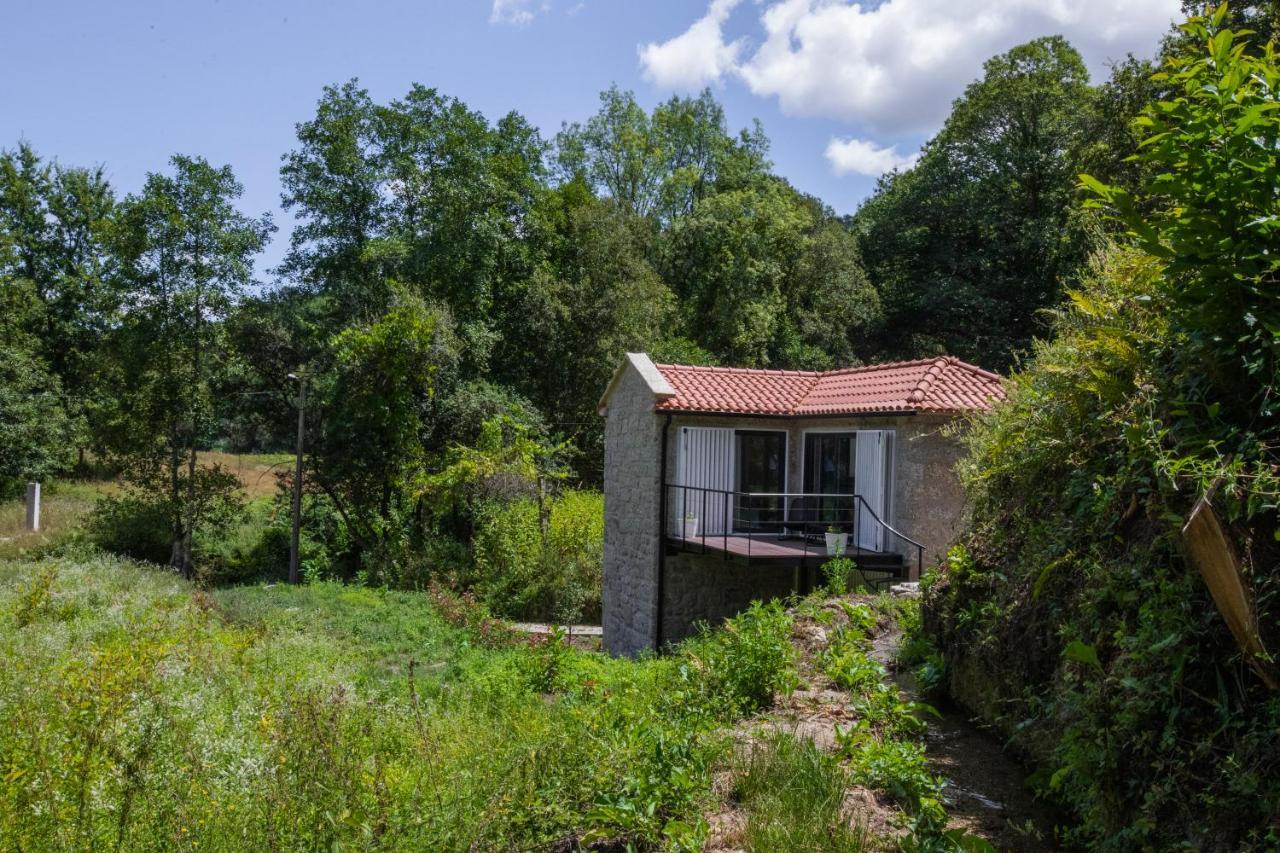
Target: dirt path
(985, 794)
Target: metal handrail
(887, 526)
(726, 532)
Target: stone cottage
(726, 485)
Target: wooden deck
(769, 548)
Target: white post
(33, 506)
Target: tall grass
(794, 797)
(63, 504)
(137, 712)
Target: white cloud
(518, 12)
(698, 56)
(895, 66)
(863, 157)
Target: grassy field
(257, 472)
(137, 712)
(62, 504)
(65, 502)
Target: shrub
(141, 522)
(520, 573)
(257, 550)
(1071, 614)
(749, 659)
(132, 526)
(836, 573)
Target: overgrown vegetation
(455, 296)
(137, 711)
(794, 796)
(1069, 613)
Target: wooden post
(1210, 550)
(33, 506)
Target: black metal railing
(697, 513)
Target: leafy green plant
(543, 562)
(836, 573)
(1071, 610)
(551, 659)
(750, 658)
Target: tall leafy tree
(593, 297)
(381, 394)
(769, 278)
(422, 191)
(36, 433)
(54, 220)
(659, 165)
(185, 255)
(968, 246)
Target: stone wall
(632, 454)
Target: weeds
(793, 794)
(138, 712)
(750, 659)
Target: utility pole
(297, 477)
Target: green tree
(593, 298)
(768, 277)
(422, 191)
(661, 164)
(375, 414)
(1210, 212)
(36, 435)
(968, 246)
(185, 254)
(53, 220)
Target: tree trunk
(175, 497)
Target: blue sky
(843, 90)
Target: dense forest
(458, 290)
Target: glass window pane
(762, 468)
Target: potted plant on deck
(837, 540)
(690, 526)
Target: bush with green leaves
(1069, 614)
(541, 562)
(748, 659)
(836, 573)
(140, 522)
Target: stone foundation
(707, 588)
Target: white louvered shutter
(870, 481)
(706, 461)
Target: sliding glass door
(829, 459)
(761, 468)
(840, 464)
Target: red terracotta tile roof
(943, 384)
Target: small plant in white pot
(690, 526)
(836, 542)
